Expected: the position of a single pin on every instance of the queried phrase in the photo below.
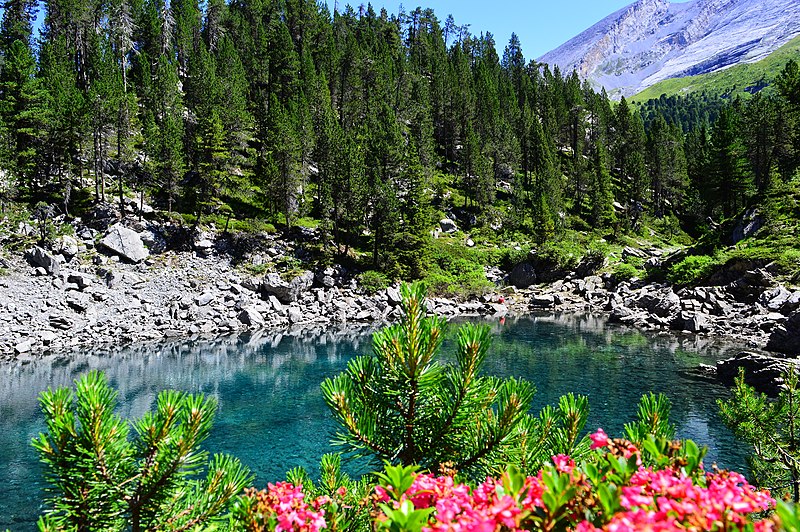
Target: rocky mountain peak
(651, 40)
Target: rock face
(652, 40)
(523, 275)
(126, 243)
(786, 338)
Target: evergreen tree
(729, 175)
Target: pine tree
(404, 406)
(101, 478)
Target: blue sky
(540, 24)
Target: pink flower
(599, 439)
(563, 463)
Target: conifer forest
(369, 123)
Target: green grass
(733, 81)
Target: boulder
(288, 291)
(785, 338)
(79, 302)
(448, 226)
(761, 371)
(39, 257)
(252, 317)
(81, 280)
(67, 246)
(125, 243)
(23, 347)
(748, 225)
(695, 322)
(543, 301)
(204, 299)
(295, 315)
(393, 296)
(523, 275)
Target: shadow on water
(271, 411)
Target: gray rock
(295, 315)
(628, 252)
(67, 246)
(497, 309)
(23, 347)
(39, 257)
(252, 317)
(786, 337)
(761, 371)
(205, 298)
(125, 243)
(393, 296)
(750, 223)
(448, 226)
(523, 275)
(543, 301)
(82, 280)
(695, 322)
(79, 302)
(288, 292)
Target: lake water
(273, 418)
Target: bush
(371, 281)
(658, 485)
(625, 272)
(100, 479)
(691, 270)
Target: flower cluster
(664, 500)
(282, 507)
(460, 508)
(618, 488)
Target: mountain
(740, 80)
(653, 40)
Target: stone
(82, 280)
(543, 301)
(695, 322)
(252, 317)
(393, 296)
(291, 291)
(295, 315)
(23, 347)
(448, 226)
(204, 299)
(628, 252)
(497, 309)
(39, 257)
(785, 338)
(523, 275)
(79, 302)
(47, 337)
(749, 224)
(67, 246)
(125, 243)
(763, 372)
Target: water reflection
(272, 415)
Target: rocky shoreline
(114, 285)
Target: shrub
(691, 270)
(100, 479)
(625, 272)
(371, 281)
(658, 485)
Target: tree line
(368, 121)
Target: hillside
(740, 80)
(653, 40)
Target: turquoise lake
(273, 418)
